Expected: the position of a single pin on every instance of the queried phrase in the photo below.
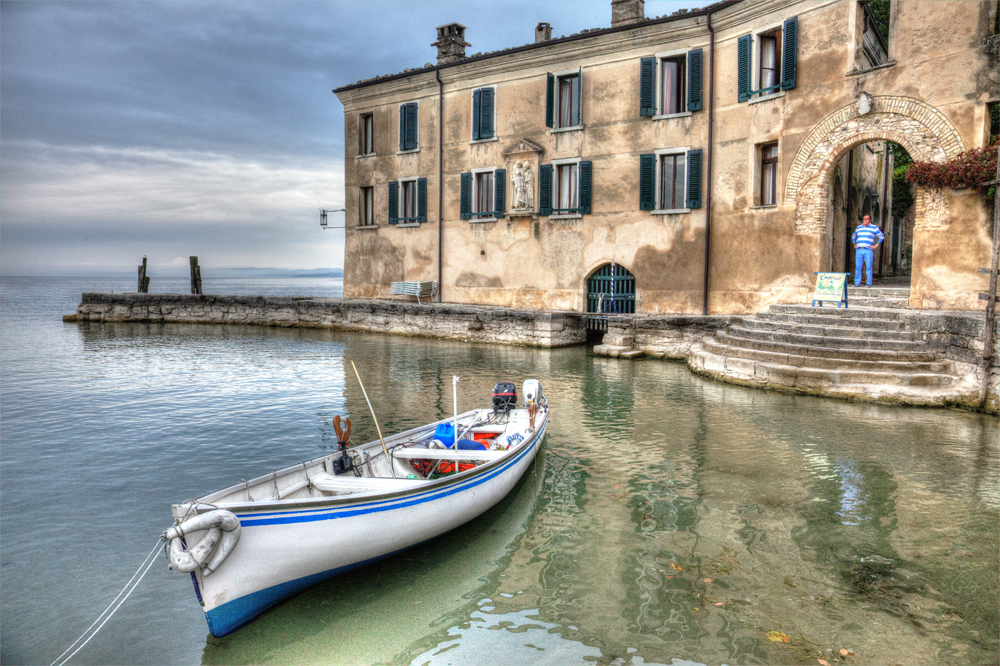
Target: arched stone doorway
(920, 128)
(611, 290)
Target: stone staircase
(875, 350)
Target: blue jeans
(863, 256)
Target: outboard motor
(504, 398)
(532, 392)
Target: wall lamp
(323, 223)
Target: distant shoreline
(221, 273)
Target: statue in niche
(521, 179)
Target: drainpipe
(437, 75)
(708, 158)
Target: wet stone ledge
(531, 328)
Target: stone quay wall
(531, 328)
(659, 336)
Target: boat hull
(282, 552)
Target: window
(670, 84)
(409, 127)
(562, 100)
(670, 180)
(366, 130)
(408, 201)
(769, 76)
(483, 194)
(366, 202)
(769, 174)
(672, 172)
(564, 188)
(483, 114)
(875, 34)
(767, 62)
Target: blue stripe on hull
(232, 615)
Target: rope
(149, 558)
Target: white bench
(413, 288)
(345, 482)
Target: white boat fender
(223, 535)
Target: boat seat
(447, 454)
(349, 482)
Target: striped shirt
(865, 236)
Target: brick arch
(920, 128)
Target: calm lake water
(668, 520)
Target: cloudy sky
(205, 128)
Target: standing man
(866, 238)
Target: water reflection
(669, 519)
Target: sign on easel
(830, 287)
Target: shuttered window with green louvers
(789, 54)
(694, 80)
(545, 189)
(743, 67)
(647, 182)
(393, 202)
(694, 179)
(500, 180)
(421, 200)
(466, 193)
(585, 182)
(483, 114)
(408, 126)
(647, 87)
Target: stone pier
(470, 323)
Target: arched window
(611, 290)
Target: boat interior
(403, 461)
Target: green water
(668, 519)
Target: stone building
(681, 164)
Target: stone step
(799, 349)
(827, 341)
(910, 388)
(826, 330)
(888, 314)
(825, 362)
(878, 302)
(820, 320)
(878, 292)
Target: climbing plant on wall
(966, 170)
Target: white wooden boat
(261, 541)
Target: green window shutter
(410, 140)
(585, 180)
(477, 103)
(694, 80)
(487, 115)
(578, 94)
(647, 87)
(500, 183)
(545, 189)
(393, 202)
(788, 53)
(647, 182)
(421, 200)
(465, 194)
(550, 83)
(743, 67)
(694, 179)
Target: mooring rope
(151, 559)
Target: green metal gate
(610, 291)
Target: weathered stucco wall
(454, 322)
(931, 98)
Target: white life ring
(223, 534)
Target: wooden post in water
(143, 287)
(195, 276)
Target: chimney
(543, 33)
(451, 43)
(626, 12)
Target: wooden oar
(384, 449)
